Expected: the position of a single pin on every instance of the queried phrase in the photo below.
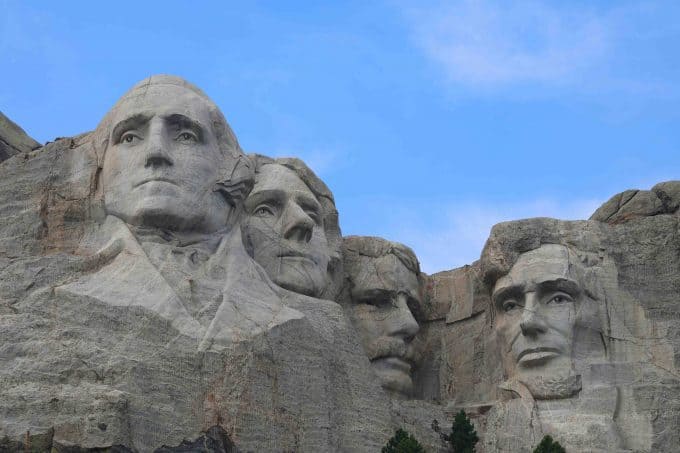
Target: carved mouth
(532, 356)
(166, 180)
(396, 363)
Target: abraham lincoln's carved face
(536, 305)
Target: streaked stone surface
(162, 290)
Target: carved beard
(556, 386)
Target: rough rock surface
(617, 390)
(13, 139)
(127, 325)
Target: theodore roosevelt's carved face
(284, 230)
(383, 292)
(163, 161)
(536, 305)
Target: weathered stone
(383, 288)
(160, 290)
(629, 205)
(131, 315)
(13, 139)
(669, 193)
(291, 228)
(616, 289)
(215, 440)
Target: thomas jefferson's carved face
(537, 304)
(383, 290)
(284, 231)
(163, 161)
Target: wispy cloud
(460, 238)
(495, 44)
(484, 42)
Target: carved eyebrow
(131, 122)
(566, 285)
(308, 203)
(184, 122)
(255, 198)
(369, 294)
(506, 292)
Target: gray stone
(629, 205)
(383, 288)
(291, 228)
(669, 193)
(128, 300)
(160, 290)
(615, 288)
(13, 139)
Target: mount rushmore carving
(158, 284)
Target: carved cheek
(506, 326)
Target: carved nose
(404, 325)
(298, 225)
(156, 155)
(532, 323)
(157, 160)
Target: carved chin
(300, 278)
(553, 386)
(393, 379)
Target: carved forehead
(275, 177)
(380, 273)
(163, 100)
(550, 262)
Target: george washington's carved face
(163, 161)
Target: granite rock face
(13, 139)
(578, 336)
(161, 290)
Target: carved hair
(376, 247)
(509, 240)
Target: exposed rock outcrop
(160, 290)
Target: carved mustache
(389, 347)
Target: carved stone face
(284, 231)
(163, 161)
(536, 305)
(382, 291)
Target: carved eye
(187, 137)
(314, 216)
(560, 299)
(510, 305)
(263, 211)
(129, 138)
(379, 301)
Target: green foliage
(463, 436)
(548, 445)
(403, 442)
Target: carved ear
(236, 187)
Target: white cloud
(460, 239)
(487, 43)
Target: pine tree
(548, 445)
(403, 442)
(463, 436)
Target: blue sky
(430, 121)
